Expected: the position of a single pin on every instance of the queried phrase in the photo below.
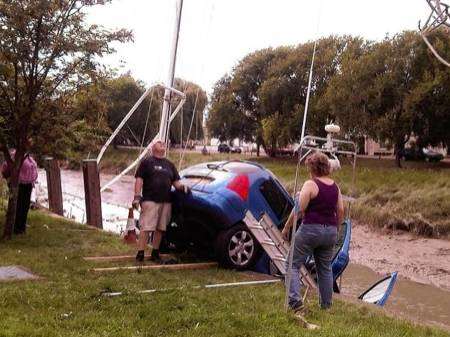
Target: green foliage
(385, 90)
(121, 93)
(47, 52)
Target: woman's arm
(304, 198)
(340, 209)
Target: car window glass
(276, 199)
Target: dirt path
(418, 259)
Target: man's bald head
(158, 148)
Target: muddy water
(114, 203)
(411, 300)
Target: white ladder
(271, 240)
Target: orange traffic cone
(130, 231)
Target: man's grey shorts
(155, 216)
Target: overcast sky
(216, 34)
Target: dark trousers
(23, 205)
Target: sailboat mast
(164, 125)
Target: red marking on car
(240, 185)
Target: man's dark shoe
(140, 256)
(155, 256)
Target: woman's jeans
(317, 241)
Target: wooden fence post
(53, 172)
(92, 194)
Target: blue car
(210, 219)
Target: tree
(121, 93)
(46, 51)
(263, 98)
(192, 111)
(226, 120)
(391, 89)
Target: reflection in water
(419, 302)
(114, 216)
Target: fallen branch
(117, 258)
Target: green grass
(416, 198)
(67, 300)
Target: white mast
(165, 123)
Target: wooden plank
(206, 286)
(185, 266)
(92, 194)
(118, 258)
(53, 173)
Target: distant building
(373, 148)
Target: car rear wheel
(237, 248)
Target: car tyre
(237, 248)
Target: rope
(122, 123)
(182, 120)
(296, 201)
(202, 71)
(190, 130)
(146, 121)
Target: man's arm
(138, 186)
(181, 187)
(137, 192)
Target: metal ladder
(269, 237)
(271, 240)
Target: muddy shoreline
(422, 260)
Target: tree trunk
(12, 206)
(257, 149)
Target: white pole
(164, 126)
(289, 275)
(309, 91)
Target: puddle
(422, 303)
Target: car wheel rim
(241, 248)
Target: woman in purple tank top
(321, 211)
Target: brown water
(422, 303)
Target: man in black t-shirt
(154, 179)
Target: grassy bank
(416, 198)
(67, 300)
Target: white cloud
(218, 33)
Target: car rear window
(276, 199)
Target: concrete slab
(13, 273)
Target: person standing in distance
(155, 177)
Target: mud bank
(419, 259)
